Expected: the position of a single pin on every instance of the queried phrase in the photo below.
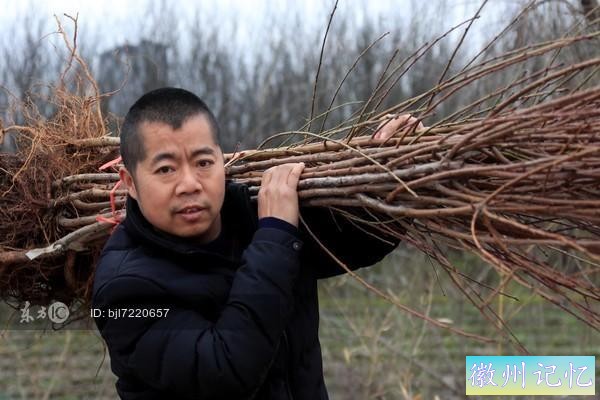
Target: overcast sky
(113, 17)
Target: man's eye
(205, 163)
(164, 170)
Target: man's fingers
(284, 174)
(278, 195)
(392, 123)
(385, 121)
(266, 178)
(294, 175)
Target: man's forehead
(198, 127)
(198, 121)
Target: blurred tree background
(258, 74)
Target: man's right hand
(278, 195)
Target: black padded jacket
(243, 314)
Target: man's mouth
(192, 213)
(191, 210)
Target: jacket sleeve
(356, 245)
(190, 356)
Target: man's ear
(127, 179)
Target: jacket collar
(239, 221)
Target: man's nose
(188, 182)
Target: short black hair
(168, 105)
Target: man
(204, 293)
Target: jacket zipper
(287, 374)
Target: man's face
(180, 185)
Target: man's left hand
(393, 123)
